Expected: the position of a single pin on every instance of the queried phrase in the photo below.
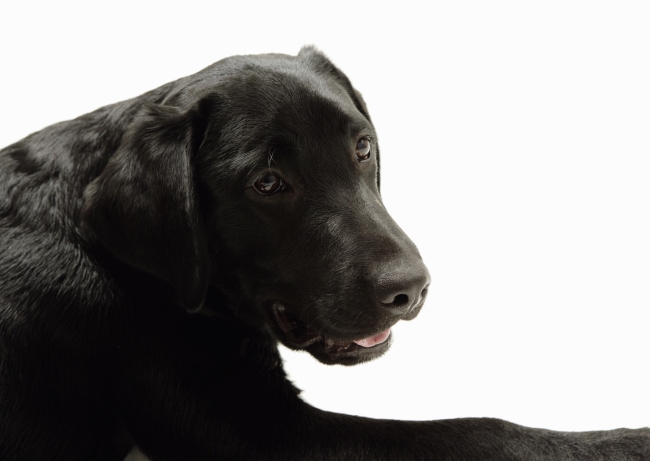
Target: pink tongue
(374, 340)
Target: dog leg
(224, 395)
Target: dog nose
(403, 289)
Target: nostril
(399, 301)
(403, 289)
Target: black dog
(154, 252)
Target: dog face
(265, 173)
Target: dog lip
(295, 332)
(348, 353)
(300, 336)
(284, 321)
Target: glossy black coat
(145, 284)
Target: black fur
(145, 284)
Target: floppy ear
(144, 208)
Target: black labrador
(154, 252)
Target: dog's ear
(144, 207)
(322, 64)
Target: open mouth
(300, 336)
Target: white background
(515, 144)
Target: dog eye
(268, 184)
(363, 149)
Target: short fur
(145, 284)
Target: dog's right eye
(268, 184)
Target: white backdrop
(515, 144)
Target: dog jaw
(298, 336)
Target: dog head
(259, 177)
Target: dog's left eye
(268, 184)
(363, 149)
